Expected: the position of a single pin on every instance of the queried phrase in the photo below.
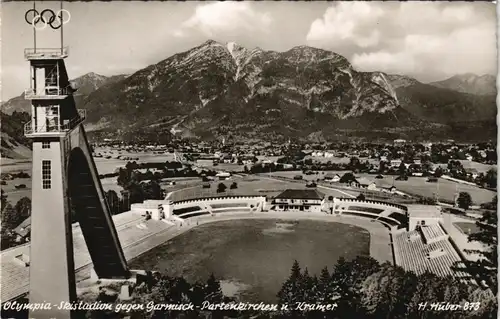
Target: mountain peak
(304, 52)
(465, 76)
(236, 50)
(210, 42)
(398, 80)
(91, 75)
(469, 83)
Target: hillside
(444, 105)
(470, 83)
(14, 144)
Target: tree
(426, 167)
(370, 290)
(464, 200)
(4, 200)
(354, 163)
(10, 218)
(113, 202)
(136, 192)
(347, 178)
(491, 178)
(152, 190)
(123, 177)
(197, 294)
(325, 287)
(382, 167)
(234, 185)
(361, 196)
(347, 278)
(7, 239)
(23, 208)
(438, 172)
(290, 291)
(221, 188)
(308, 287)
(402, 169)
(213, 292)
(487, 266)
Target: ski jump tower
(66, 183)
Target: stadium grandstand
(428, 249)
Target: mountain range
(15, 113)
(223, 89)
(470, 83)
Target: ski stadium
(433, 245)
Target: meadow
(258, 186)
(413, 186)
(251, 185)
(254, 257)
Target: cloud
(426, 40)
(224, 17)
(345, 22)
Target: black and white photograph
(248, 159)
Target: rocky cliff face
(217, 87)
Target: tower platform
(46, 53)
(32, 131)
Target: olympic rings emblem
(47, 17)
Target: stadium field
(252, 258)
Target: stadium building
(299, 200)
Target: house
(390, 189)
(299, 200)
(399, 142)
(353, 183)
(366, 183)
(23, 230)
(7, 177)
(472, 172)
(223, 176)
(396, 163)
(334, 178)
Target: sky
(429, 41)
